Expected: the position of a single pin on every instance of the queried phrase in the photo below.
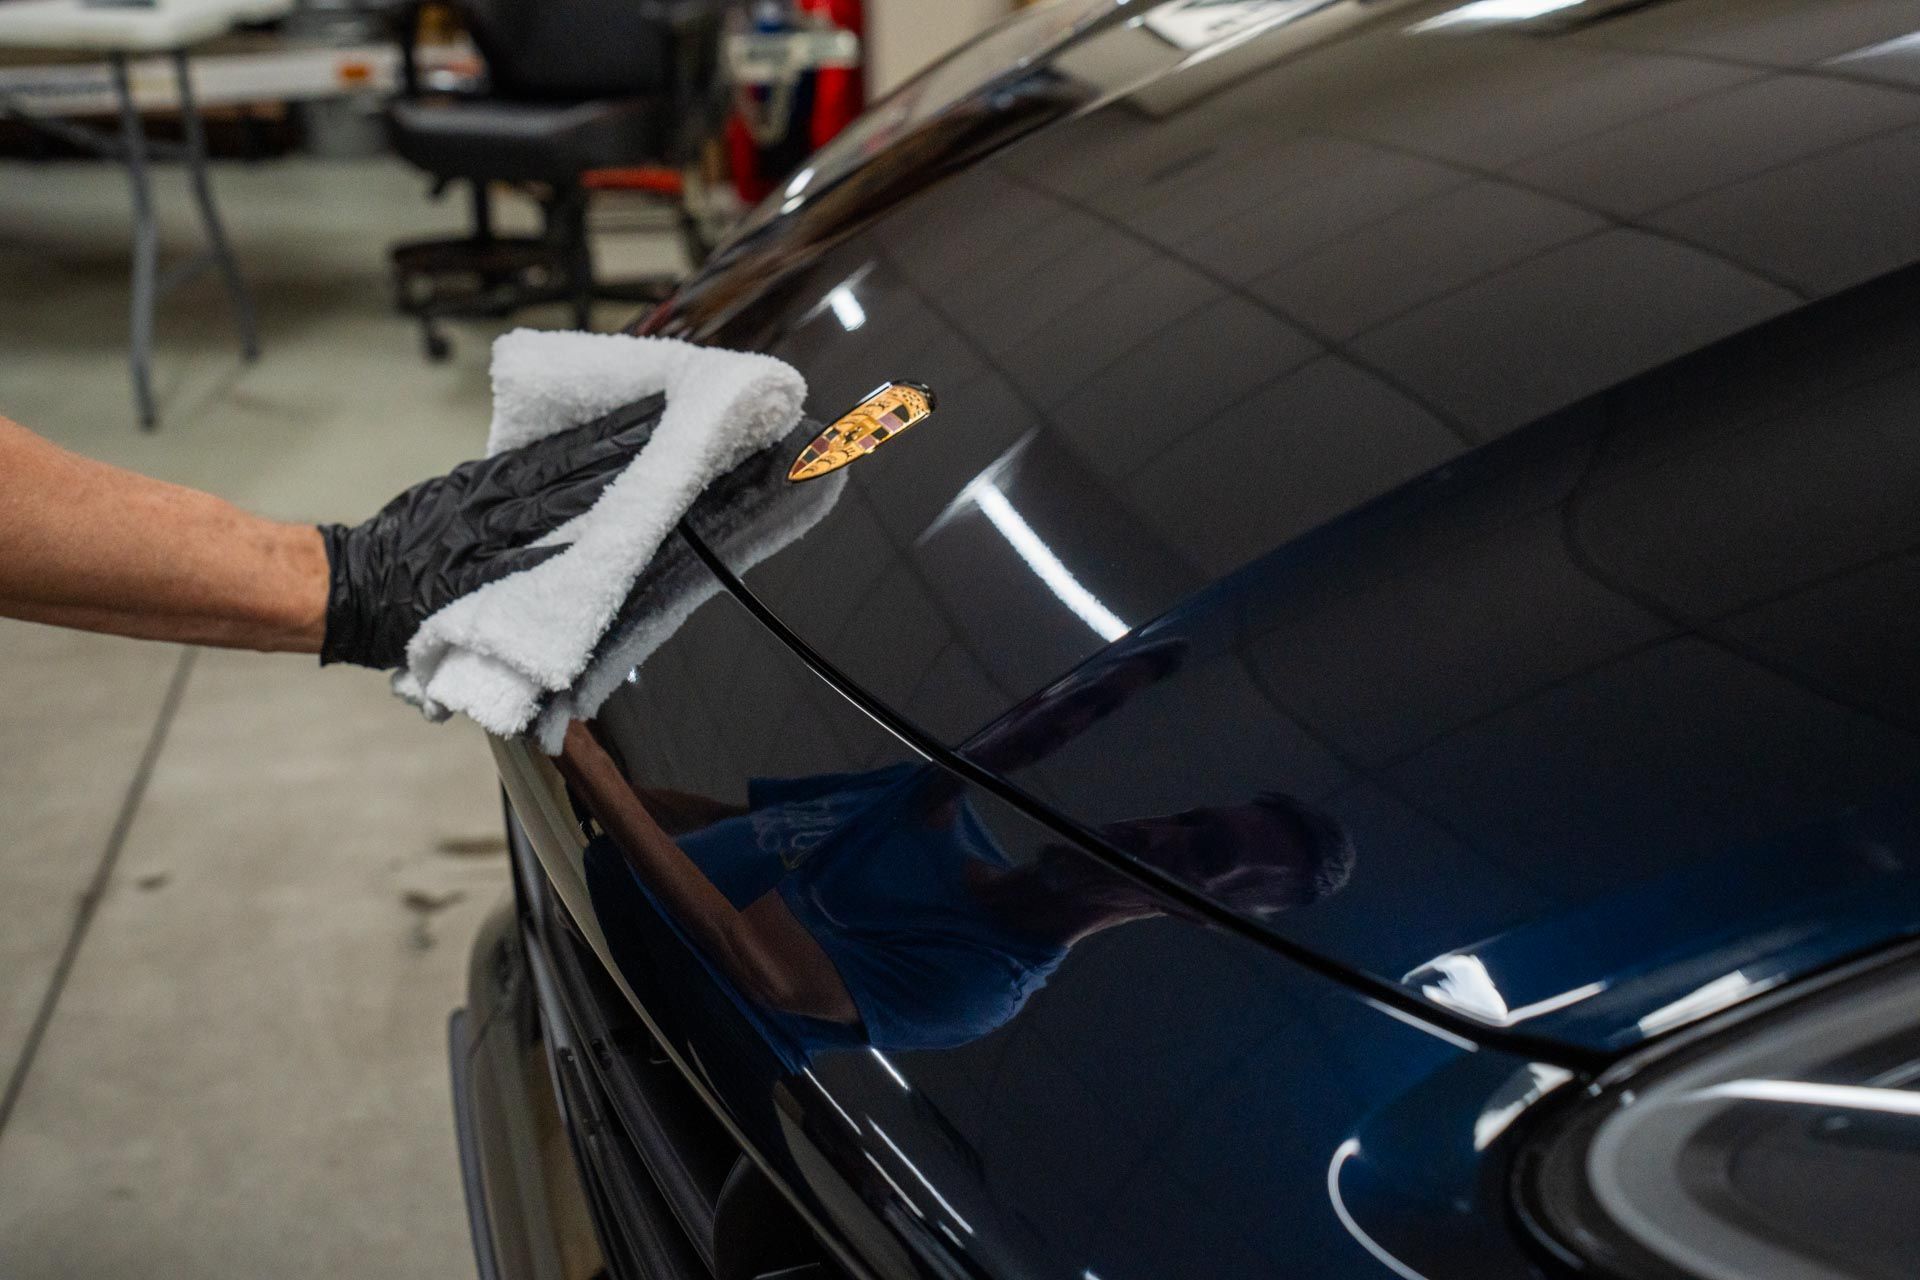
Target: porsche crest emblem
(880, 417)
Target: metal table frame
(133, 149)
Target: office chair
(571, 86)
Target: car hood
(1482, 439)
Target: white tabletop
(167, 24)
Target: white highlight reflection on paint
(1462, 983)
(851, 1122)
(1046, 566)
(914, 1169)
(892, 1070)
(898, 1190)
(1723, 992)
(846, 308)
(1341, 1154)
(1535, 1081)
(1486, 12)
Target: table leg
(196, 140)
(146, 246)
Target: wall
(905, 35)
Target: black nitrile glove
(455, 533)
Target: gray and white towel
(747, 515)
(516, 646)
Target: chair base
(465, 276)
(484, 275)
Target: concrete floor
(236, 1066)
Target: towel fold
(746, 516)
(501, 653)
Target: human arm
(88, 545)
(84, 544)
(767, 953)
(679, 811)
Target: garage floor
(235, 891)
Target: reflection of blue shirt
(885, 894)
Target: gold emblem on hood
(880, 417)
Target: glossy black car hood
(1496, 434)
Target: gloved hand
(455, 533)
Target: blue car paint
(1509, 427)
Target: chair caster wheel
(438, 349)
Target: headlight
(1786, 1149)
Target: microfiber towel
(498, 654)
(747, 515)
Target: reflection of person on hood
(876, 908)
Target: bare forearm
(84, 544)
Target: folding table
(121, 32)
